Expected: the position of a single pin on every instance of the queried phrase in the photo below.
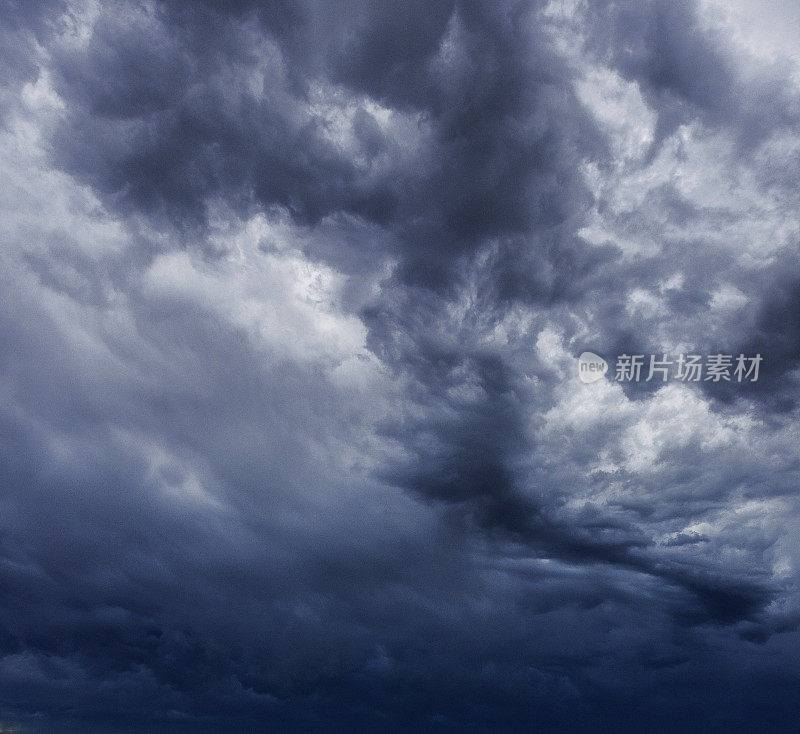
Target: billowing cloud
(293, 437)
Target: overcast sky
(292, 435)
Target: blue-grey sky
(292, 435)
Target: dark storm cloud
(687, 70)
(158, 124)
(219, 515)
(20, 25)
(776, 335)
(691, 73)
(159, 118)
(466, 448)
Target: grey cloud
(687, 70)
(291, 437)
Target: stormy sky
(292, 435)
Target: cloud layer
(292, 432)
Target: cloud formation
(292, 432)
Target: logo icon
(591, 368)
